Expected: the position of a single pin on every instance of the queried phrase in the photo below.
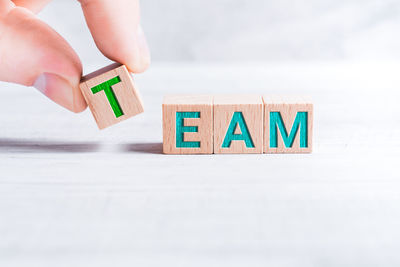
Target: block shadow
(41, 146)
(147, 148)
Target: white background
(255, 30)
(71, 195)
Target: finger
(34, 54)
(5, 7)
(116, 31)
(33, 5)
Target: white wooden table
(71, 195)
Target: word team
(206, 124)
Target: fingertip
(138, 68)
(131, 51)
(79, 101)
(34, 54)
(116, 30)
(140, 61)
(60, 91)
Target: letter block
(288, 124)
(188, 124)
(111, 95)
(238, 124)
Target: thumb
(33, 54)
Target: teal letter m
(275, 122)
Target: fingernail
(144, 48)
(56, 88)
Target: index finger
(115, 27)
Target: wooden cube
(188, 124)
(238, 124)
(111, 95)
(288, 124)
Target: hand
(33, 54)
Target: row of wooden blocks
(206, 124)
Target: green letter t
(112, 99)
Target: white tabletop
(71, 195)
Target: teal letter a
(237, 120)
(275, 122)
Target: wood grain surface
(126, 94)
(71, 195)
(288, 108)
(251, 108)
(204, 134)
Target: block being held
(111, 95)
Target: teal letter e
(181, 129)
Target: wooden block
(288, 124)
(238, 124)
(188, 124)
(111, 95)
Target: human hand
(33, 54)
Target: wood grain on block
(288, 124)
(188, 124)
(111, 95)
(238, 124)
